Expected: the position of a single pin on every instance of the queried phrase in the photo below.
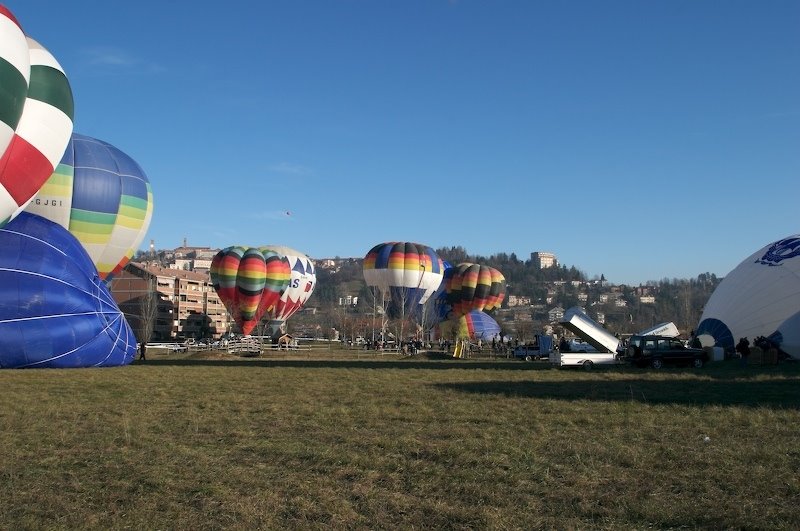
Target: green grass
(386, 443)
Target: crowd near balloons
(74, 210)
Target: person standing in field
(743, 348)
(142, 351)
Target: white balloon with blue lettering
(760, 297)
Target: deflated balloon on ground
(55, 311)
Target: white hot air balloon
(757, 298)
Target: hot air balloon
(405, 273)
(55, 311)
(15, 55)
(474, 287)
(301, 286)
(442, 309)
(41, 134)
(756, 299)
(249, 282)
(787, 336)
(102, 197)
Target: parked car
(657, 351)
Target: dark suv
(657, 351)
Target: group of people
(743, 348)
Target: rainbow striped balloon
(473, 325)
(408, 273)
(474, 287)
(249, 282)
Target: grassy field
(388, 443)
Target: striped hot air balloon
(474, 325)
(302, 282)
(42, 133)
(15, 71)
(407, 273)
(103, 197)
(249, 282)
(474, 287)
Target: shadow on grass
(366, 363)
(723, 371)
(779, 393)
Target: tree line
(677, 300)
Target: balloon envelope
(408, 273)
(41, 135)
(756, 298)
(788, 336)
(474, 325)
(15, 58)
(55, 311)
(249, 282)
(302, 281)
(103, 197)
(36, 111)
(474, 287)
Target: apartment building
(187, 305)
(544, 260)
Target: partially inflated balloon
(478, 325)
(103, 197)
(474, 325)
(54, 309)
(41, 135)
(442, 309)
(757, 298)
(301, 286)
(249, 282)
(474, 287)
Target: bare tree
(148, 311)
(380, 310)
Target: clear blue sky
(637, 139)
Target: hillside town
(169, 293)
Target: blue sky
(638, 139)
